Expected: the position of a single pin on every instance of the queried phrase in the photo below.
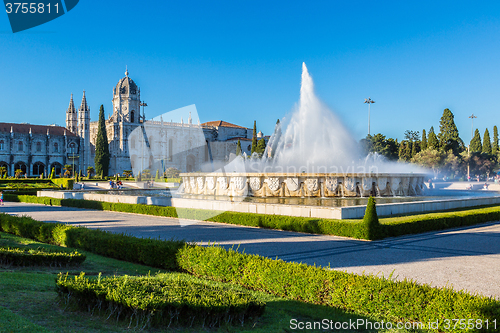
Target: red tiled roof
(220, 123)
(241, 139)
(35, 129)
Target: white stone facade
(36, 149)
(136, 144)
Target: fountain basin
(303, 184)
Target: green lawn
(29, 302)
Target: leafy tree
(405, 151)
(432, 141)
(450, 163)
(172, 173)
(68, 168)
(423, 144)
(238, 148)
(429, 158)
(261, 147)
(448, 133)
(494, 146)
(254, 137)
(90, 171)
(127, 173)
(486, 143)
(101, 159)
(18, 173)
(475, 143)
(378, 143)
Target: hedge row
(146, 251)
(39, 257)
(397, 301)
(387, 227)
(160, 300)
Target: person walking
(1, 198)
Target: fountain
(311, 154)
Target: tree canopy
(448, 133)
(475, 143)
(101, 159)
(486, 143)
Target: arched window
(2, 145)
(38, 169)
(170, 149)
(132, 116)
(38, 146)
(20, 146)
(56, 147)
(72, 148)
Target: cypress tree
(423, 145)
(238, 148)
(448, 133)
(486, 143)
(432, 142)
(475, 143)
(494, 146)
(101, 159)
(371, 223)
(53, 173)
(261, 147)
(254, 137)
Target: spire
(190, 120)
(71, 108)
(30, 131)
(84, 106)
(126, 71)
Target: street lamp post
(143, 104)
(472, 116)
(369, 101)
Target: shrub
(161, 300)
(370, 221)
(399, 301)
(39, 257)
(67, 183)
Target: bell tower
(126, 101)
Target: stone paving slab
(465, 258)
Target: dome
(126, 86)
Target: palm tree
(90, 171)
(68, 169)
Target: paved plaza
(465, 258)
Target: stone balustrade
(303, 184)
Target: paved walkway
(465, 258)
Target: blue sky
(241, 60)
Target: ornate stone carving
(210, 183)
(312, 184)
(382, 183)
(239, 182)
(367, 184)
(332, 183)
(273, 183)
(192, 183)
(350, 184)
(222, 181)
(292, 183)
(201, 182)
(255, 183)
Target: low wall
(353, 212)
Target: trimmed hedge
(18, 256)
(396, 301)
(387, 227)
(146, 251)
(161, 300)
(67, 183)
(400, 301)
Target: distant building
(36, 149)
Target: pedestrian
(1, 197)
